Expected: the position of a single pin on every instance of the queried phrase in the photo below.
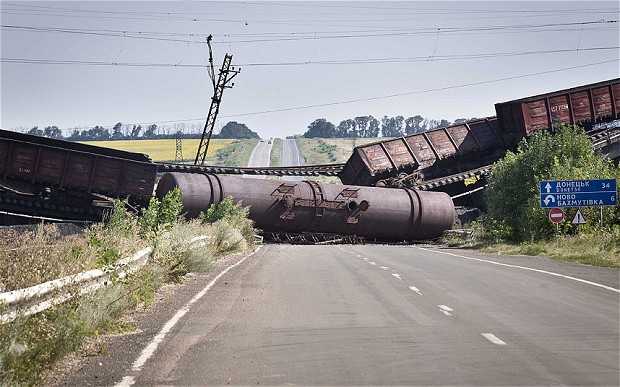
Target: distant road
(383, 315)
(290, 158)
(260, 157)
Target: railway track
(305, 170)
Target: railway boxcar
(423, 152)
(584, 106)
(38, 166)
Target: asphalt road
(381, 315)
(290, 157)
(260, 157)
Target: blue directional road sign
(578, 193)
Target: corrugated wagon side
(584, 106)
(441, 148)
(46, 167)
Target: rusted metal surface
(584, 105)
(54, 166)
(460, 148)
(394, 214)
(430, 154)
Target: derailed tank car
(308, 206)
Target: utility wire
(424, 91)
(364, 61)
(149, 35)
(464, 85)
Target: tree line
(138, 132)
(369, 126)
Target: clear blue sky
(98, 63)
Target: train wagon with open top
(584, 106)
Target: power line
(171, 16)
(424, 91)
(436, 58)
(348, 7)
(452, 87)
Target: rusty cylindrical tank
(383, 213)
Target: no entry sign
(556, 215)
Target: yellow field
(163, 150)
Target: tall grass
(32, 344)
(597, 248)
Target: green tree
(347, 128)
(321, 128)
(392, 127)
(117, 131)
(513, 193)
(150, 131)
(52, 132)
(235, 129)
(35, 131)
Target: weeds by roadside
(597, 248)
(29, 345)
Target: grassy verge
(276, 153)
(601, 248)
(29, 345)
(236, 154)
(330, 150)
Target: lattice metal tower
(223, 82)
(178, 156)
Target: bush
(234, 214)
(161, 215)
(513, 193)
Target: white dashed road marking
(446, 310)
(397, 276)
(372, 263)
(492, 338)
(414, 289)
(385, 268)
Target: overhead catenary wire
(300, 36)
(362, 61)
(424, 91)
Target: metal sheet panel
(441, 142)
(375, 158)
(399, 153)
(421, 148)
(463, 139)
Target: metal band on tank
(416, 218)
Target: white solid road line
(414, 289)
(527, 268)
(150, 349)
(492, 338)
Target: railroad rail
(305, 170)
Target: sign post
(556, 215)
(578, 193)
(579, 220)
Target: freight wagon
(410, 160)
(51, 174)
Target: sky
(77, 64)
